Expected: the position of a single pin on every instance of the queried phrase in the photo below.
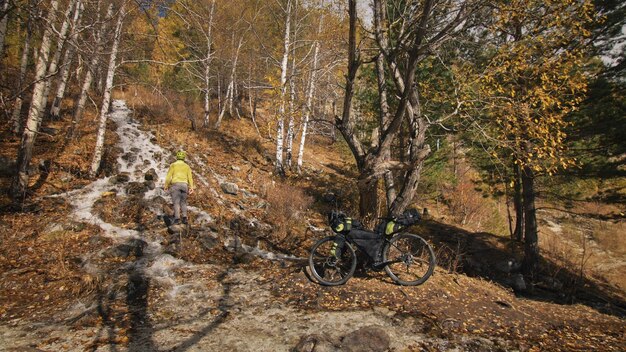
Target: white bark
(20, 183)
(207, 68)
(19, 100)
(3, 25)
(87, 81)
(291, 126)
(55, 109)
(54, 62)
(106, 98)
(280, 130)
(309, 100)
(230, 91)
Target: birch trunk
(19, 100)
(88, 80)
(106, 98)
(3, 25)
(230, 91)
(55, 109)
(252, 105)
(54, 62)
(291, 126)
(207, 69)
(309, 100)
(20, 182)
(280, 129)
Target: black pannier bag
(368, 242)
(340, 223)
(389, 227)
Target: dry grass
(286, 207)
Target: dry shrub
(466, 204)
(286, 206)
(450, 258)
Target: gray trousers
(179, 194)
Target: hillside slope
(92, 265)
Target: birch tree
(89, 75)
(68, 56)
(280, 126)
(230, 90)
(106, 98)
(19, 184)
(309, 97)
(16, 117)
(73, 6)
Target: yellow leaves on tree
(536, 77)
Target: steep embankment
(98, 270)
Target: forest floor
(92, 266)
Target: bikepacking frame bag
(369, 242)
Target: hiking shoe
(185, 221)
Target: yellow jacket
(179, 172)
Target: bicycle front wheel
(411, 260)
(329, 267)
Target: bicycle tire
(411, 253)
(326, 268)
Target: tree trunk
(3, 25)
(309, 99)
(518, 205)
(55, 109)
(368, 199)
(207, 68)
(230, 91)
(390, 190)
(54, 62)
(531, 243)
(88, 80)
(291, 126)
(280, 129)
(19, 100)
(20, 182)
(106, 99)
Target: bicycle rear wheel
(329, 269)
(411, 259)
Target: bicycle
(407, 258)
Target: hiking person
(181, 182)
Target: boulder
(150, 184)
(130, 157)
(122, 177)
(366, 339)
(134, 247)
(508, 266)
(207, 241)
(518, 284)
(229, 188)
(151, 175)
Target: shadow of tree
(133, 314)
(486, 256)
